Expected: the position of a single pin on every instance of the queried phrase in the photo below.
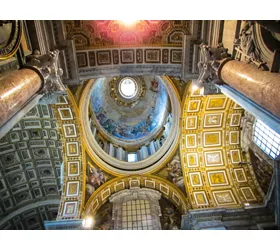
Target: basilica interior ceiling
(65, 160)
(208, 169)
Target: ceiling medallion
(127, 91)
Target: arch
(167, 189)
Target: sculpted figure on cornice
(246, 45)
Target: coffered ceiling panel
(30, 161)
(216, 173)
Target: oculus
(128, 91)
(128, 87)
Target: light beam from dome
(129, 22)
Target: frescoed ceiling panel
(95, 177)
(172, 172)
(104, 34)
(216, 173)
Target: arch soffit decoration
(73, 191)
(167, 189)
(50, 205)
(211, 128)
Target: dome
(129, 110)
(131, 122)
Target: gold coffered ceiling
(211, 153)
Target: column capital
(47, 67)
(210, 61)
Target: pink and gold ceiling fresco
(106, 34)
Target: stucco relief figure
(247, 124)
(224, 198)
(175, 172)
(246, 40)
(213, 119)
(247, 45)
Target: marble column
(256, 110)
(259, 86)
(40, 75)
(15, 90)
(152, 147)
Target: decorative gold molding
(209, 159)
(168, 190)
(73, 190)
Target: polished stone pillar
(41, 75)
(256, 110)
(260, 86)
(15, 90)
(144, 152)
